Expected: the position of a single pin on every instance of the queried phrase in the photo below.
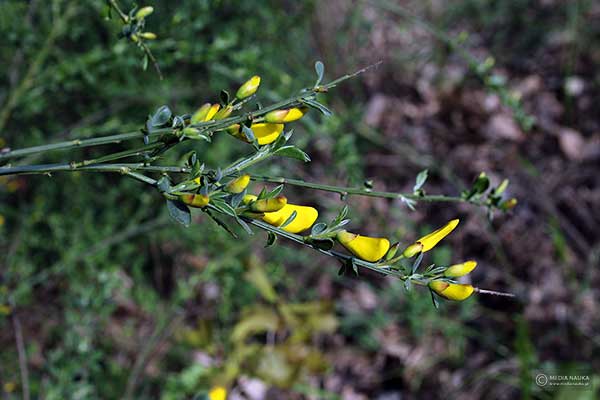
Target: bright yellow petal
(305, 218)
(238, 184)
(217, 393)
(266, 133)
(429, 241)
(211, 112)
(452, 291)
(457, 270)
(366, 248)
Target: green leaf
(179, 212)
(271, 238)
(292, 152)
(162, 116)
(222, 224)
(224, 96)
(318, 106)
(289, 220)
(421, 178)
(320, 70)
(318, 228)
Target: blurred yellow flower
(364, 247)
(217, 393)
(452, 291)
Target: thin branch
(22, 356)
(347, 191)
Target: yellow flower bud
(458, 270)
(286, 115)
(248, 88)
(195, 200)
(429, 241)
(452, 291)
(223, 113)
(148, 35)
(134, 38)
(509, 204)
(364, 247)
(205, 113)
(217, 393)
(413, 250)
(269, 205)
(144, 12)
(305, 218)
(238, 184)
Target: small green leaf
(289, 220)
(318, 228)
(162, 116)
(320, 70)
(421, 178)
(318, 106)
(224, 96)
(222, 224)
(292, 152)
(179, 212)
(271, 238)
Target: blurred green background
(103, 297)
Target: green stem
(244, 163)
(79, 143)
(68, 167)
(347, 191)
(332, 253)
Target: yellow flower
(217, 393)
(2, 219)
(266, 133)
(364, 247)
(144, 12)
(195, 200)
(5, 309)
(224, 113)
(238, 184)
(205, 113)
(452, 291)
(9, 387)
(248, 88)
(429, 241)
(305, 218)
(458, 270)
(286, 115)
(413, 250)
(148, 35)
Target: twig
(346, 191)
(22, 356)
